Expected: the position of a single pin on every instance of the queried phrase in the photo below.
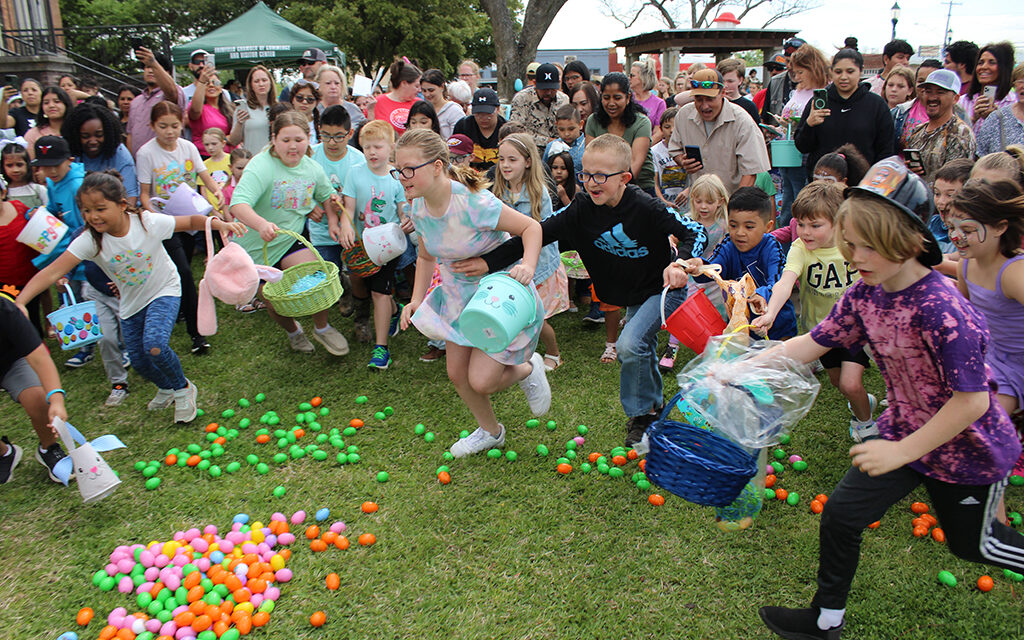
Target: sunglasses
(305, 99)
(705, 84)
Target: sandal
(609, 355)
(557, 360)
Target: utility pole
(949, 14)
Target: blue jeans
(793, 180)
(640, 389)
(151, 329)
(331, 253)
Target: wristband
(57, 390)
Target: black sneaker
(9, 461)
(199, 345)
(797, 624)
(636, 427)
(50, 457)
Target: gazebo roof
(705, 40)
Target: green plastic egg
(542, 450)
(279, 491)
(361, 399)
(1016, 480)
(233, 467)
(603, 469)
(342, 458)
(353, 458)
(305, 406)
(280, 458)
(349, 431)
(388, 411)
(447, 455)
(319, 455)
(215, 471)
(552, 425)
(379, 415)
(582, 430)
(260, 397)
(464, 434)
(779, 454)
(585, 467)
(228, 413)
(429, 437)
(511, 456)
(532, 422)
(152, 483)
(252, 458)
(203, 465)
(784, 438)
(800, 465)
(570, 454)
(571, 445)
(494, 453)
(793, 498)
(443, 467)
(419, 429)
(324, 411)
(382, 476)
(947, 578)
(643, 485)
(242, 402)
(769, 494)
(616, 472)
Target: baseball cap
(547, 76)
(51, 151)
(460, 145)
(531, 69)
(890, 180)
(776, 60)
(485, 101)
(198, 52)
(791, 45)
(944, 79)
(699, 83)
(313, 55)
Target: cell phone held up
(11, 80)
(693, 153)
(912, 157)
(820, 99)
(135, 44)
(990, 92)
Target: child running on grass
(824, 275)
(943, 427)
(621, 234)
(519, 183)
(126, 245)
(458, 218)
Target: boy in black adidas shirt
(621, 234)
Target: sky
(581, 24)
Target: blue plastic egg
(323, 514)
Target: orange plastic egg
(191, 580)
(985, 584)
(84, 616)
(920, 522)
(821, 497)
(816, 506)
(329, 537)
(213, 426)
(875, 524)
(108, 632)
(318, 545)
(938, 535)
(656, 499)
(202, 623)
(919, 508)
(313, 532)
(444, 477)
(333, 581)
(193, 460)
(317, 401)
(263, 438)
(260, 618)
(219, 628)
(565, 468)
(632, 454)
(341, 543)
(318, 619)
(195, 593)
(643, 464)
(299, 433)
(256, 585)
(171, 460)
(367, 539)
(930, 519)
(769, 481)
(125, 634)
(920, 532)
(619, 460)
(244, 624)
(781, 494)
(592, 458)
(369, 507)
(355, 422)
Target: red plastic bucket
(694, 321)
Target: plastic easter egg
(279, 491)
(800, 465)
(511, 456)
(429, 437)
(125, 585)
(532, 422)
(382, 476)
(367, 539)
(784, 439)
(333, 581)
(361, 399)
(283, 575)
(84, 617)
(947, 578)
(1017, 480)
(286, 539)
(542, 450)
(68, 635)
(985, 584)
(338, 527)
(298, 517)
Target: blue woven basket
(696, 464)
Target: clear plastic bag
(748, 401)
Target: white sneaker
(299, 342)
(117, 395)
(871, 401)
(476, 442)
(536, 387)
(163, 399)
(861, 432)
(185, 409)
(333, 341)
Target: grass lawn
(507, 550)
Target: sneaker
(199, 345)
(536, 388)
(117, 395)
(10, 461)
(163, 399)
(126, 360)
(363, 332)
(871, 401)
(595, 315)
(80, 359)
(381, 358)
(668, 357)
(333, 341)
(299, 342)
(636, 427)
(393, 328)
(476, 442)
(860, 431)
(185, 409)
(50, 457)
(432, 354)
(797, 624)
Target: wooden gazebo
(722, 42)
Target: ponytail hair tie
(406, 60)
(841, 155)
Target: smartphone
(11, 80)
(239, 102)
(693, 153)
(990, 92)
(912, 157)
(820, 99)
(135, 44)
(210, 60)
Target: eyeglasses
(305, 99)
(338, 137)
(408, 172)
(826, 177)
(705, 84)
(306, 63)
(598, 178)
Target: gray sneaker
(299, 342)
(185, 409)
(536, 388)
(117, 395)
(476, 442)
(333, 341)
(10, 461)
(163, 399)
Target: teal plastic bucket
(76, 324)
(785, 154)
(499, 311)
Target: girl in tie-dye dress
(457, 218)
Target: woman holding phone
(24, 117)
(251, 127)
(209, 108)
(991, 88)
(852, 114)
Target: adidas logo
(969, 500)
(616, 242)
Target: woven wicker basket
(310, 301)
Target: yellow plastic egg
(245, 606)
(169, 548)
(277, 562)
(257, 536)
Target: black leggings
(966, 513)
(180, 247)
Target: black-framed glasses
(598, 178)
(338, 137)
(408, 172)
(305, 99)
(705, 84)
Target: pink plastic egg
(146, 557)
(210, 529)
(272, 593)
(278, 516)
(200, 545)
(299, 517)
(168, 628)
(184, 632)
(283, 575)
(580, 440)
(161, 561)
(180, 560)
(203, 564)
(125, 565)
(125, 585)
(338, 527)
(286, 538)
(794, 458)
(256, 599)
(227, 546)
(151, 574)
(178, 536)
(171, 581)
(111, 569)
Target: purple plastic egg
(338, 527)
(271, 540)
(125, 585)
(299, 517)
(286, 538)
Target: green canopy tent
(258, 36)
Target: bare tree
(695, 14)
(516, 48)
